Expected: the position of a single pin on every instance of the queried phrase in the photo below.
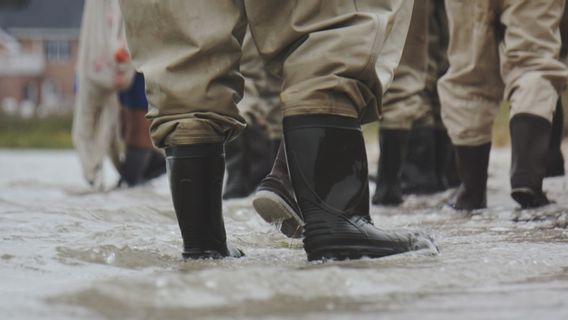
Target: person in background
(502, 49)
(142, 162)
(96, 127)
(414, 148)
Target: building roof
(41, 14)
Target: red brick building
(38, 53)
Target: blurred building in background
(38, 52)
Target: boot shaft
(530, 139)
(328, 165)
(196, 180)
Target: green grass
(51, 132)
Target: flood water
(66, 253)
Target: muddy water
(66, 253)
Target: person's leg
(534, 76)
(470, 93)
(403, 106)
(249, 155)
(192, 105)
(140, 153)
(329, 79)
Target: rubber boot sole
(274, 210)
(527, 198)
(349, 253)
(211, 254)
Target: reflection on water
(67, 253)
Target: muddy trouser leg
(534, 76)
(192, 106)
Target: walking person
(502, 49)
(334, 56)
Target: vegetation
(50, 132)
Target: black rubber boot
(156, 165)
(446, 171)
(472, 164)
(418, 175)
(393, 145)
(196, 182)
(238, 183)
(135, 163)
(274, 149)
(328, 168)
(274, 200)
(555, 165)
(530, 137)
(248, 162)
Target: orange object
(121, 55)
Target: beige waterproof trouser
(500, 47)
(334, 57)
(412, 99)
(261, 99)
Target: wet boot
(418, 175)
(196, 181)
(248, 161)
(530, 137)
(134, 165)
(555, 165)
(472, 164)
(238, 183)
(393, 145)
(328, 168)
(274, 200)
(446, 171)
(156, 165)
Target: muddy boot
(134, 165)
(393, 145)
(530, 137)
(555, 165)
(472, 164)
(328, 168)
(196, 182)
(418, 174)
(274, 200)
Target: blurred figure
(142, 162)
(96, 129)
(249, 156)
(502, 49)
(414, 148)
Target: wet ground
(66, 253)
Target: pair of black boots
(417, 161)
(532, 147)
(141, 165)
(248, 161)
(327, 164)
